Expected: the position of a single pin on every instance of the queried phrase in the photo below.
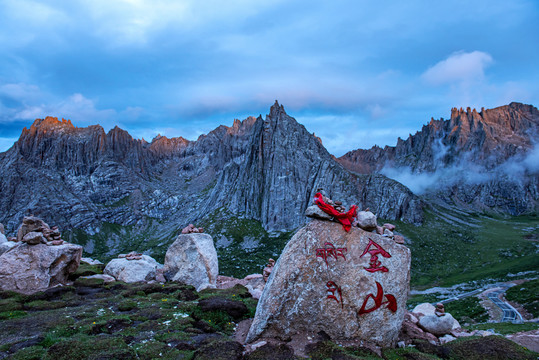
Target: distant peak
(277, 109)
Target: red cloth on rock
(345, 219)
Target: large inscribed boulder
(352, 285)
(30, 268)
(192, 259)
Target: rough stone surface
(266, 169)
(5, 246)
(2, 229)
(494, 138)
(30, 268)
(366, 220)
(315, 212)
(34, 238)
(3, 238)
(192, 259)
(424, 308)
(437, 325)
(30, 224)
(295, 299)
(131, 271)
(90, 261)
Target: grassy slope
(452, 247)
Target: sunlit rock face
(266, 169)
(351, 285)
(483, 160)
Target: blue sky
(357, 73)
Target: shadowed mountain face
(264, 169)
(486, 160)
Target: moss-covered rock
(489, 347)
(272, 352)
(220, 350)
(91, 348)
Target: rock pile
(38, 260)
(133, 255)
(35, 231)
(191, 229)
(427, 322)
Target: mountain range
(111, 192)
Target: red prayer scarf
(345, 219)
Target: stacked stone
(191, 229)
(35, 231)
(133, 255)
(267, 270)
(365, 219)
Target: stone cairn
(35, 231)
(133, 255)
(267, 270)
(190, 229)
(365, 219)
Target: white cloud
(459, 67)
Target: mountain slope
(479, 160)
(114, 192)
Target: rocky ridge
(263, 169)
(481, 159)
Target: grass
(467, 310)
(452, 247)
(527, 295)
(505, 327)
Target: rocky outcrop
(140, 269)
(192, 259)
(351, 285)
(266, 169)
(485, 155)
(29, 268)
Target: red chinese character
(330, 250)
(390, 300)
(332, 288)
(374, 263)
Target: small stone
(446, 338)
(258, 344)
(388, 233)
(34, 238)
(315, 212)
(379, 230)
(121, 256)
(57, 242)
(388, 226)
(398, 239)
(338, 203)
(366, 220)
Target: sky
(355, 72)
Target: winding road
(509, 312)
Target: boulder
(351, 285)
(424, 309)
(31, 268)
(192, 259)
(5, 246)
(437, 325)
(29, 224)
(366, 220)
(131, 271)
(315, 212)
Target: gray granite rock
(131, 271)
(192, 259)
(328, 279)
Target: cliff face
(474, 157)
(265, 169)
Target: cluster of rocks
(35, 231)
(365, 219)
(37, 259)
(190, 229)
(133, 255)
(431, 323)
